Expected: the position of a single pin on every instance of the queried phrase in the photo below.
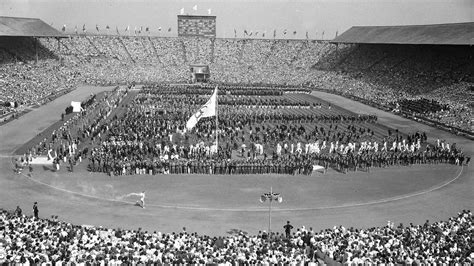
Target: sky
(312, 16)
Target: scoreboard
(196, 26)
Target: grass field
(214, 204)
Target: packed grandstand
(267, 126)
(407, 78)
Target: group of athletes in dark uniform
(144, 139)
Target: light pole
(270, 196)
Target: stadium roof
(437, 34)
(26, 27)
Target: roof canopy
(437, 34)
(26, 27)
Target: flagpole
(217, 127)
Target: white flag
(182, 11)
(207, 110)
(195, 8)
(209, 11)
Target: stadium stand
(383, 75)
(50, 241)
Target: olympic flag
(207, 110)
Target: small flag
(322, 36)
(75, 29)
(294, 32)
(209, 11)
(181, 11)
(147, 29)
(263, 34)
(84, 28)
(97, 27)
(169, 29)
(336, 33)
(127, 28)
(307, 35)
(284, 32)
(274, 33)
(235, 33)
(195, 7)
(116, 28)
(64, 28)
(107, 27)
(246, 33)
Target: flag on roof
(209, 11)
(181, 11)
(195, 7)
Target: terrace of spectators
(381, 74)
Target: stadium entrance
(199, 73)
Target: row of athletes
(294, 164)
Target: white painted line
(262, 209)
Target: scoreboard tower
(196, 26)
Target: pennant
(207, 110)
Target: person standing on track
(35, 210)
(288, 228)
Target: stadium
(140, 148)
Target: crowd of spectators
(382, 74)
(30, 240)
